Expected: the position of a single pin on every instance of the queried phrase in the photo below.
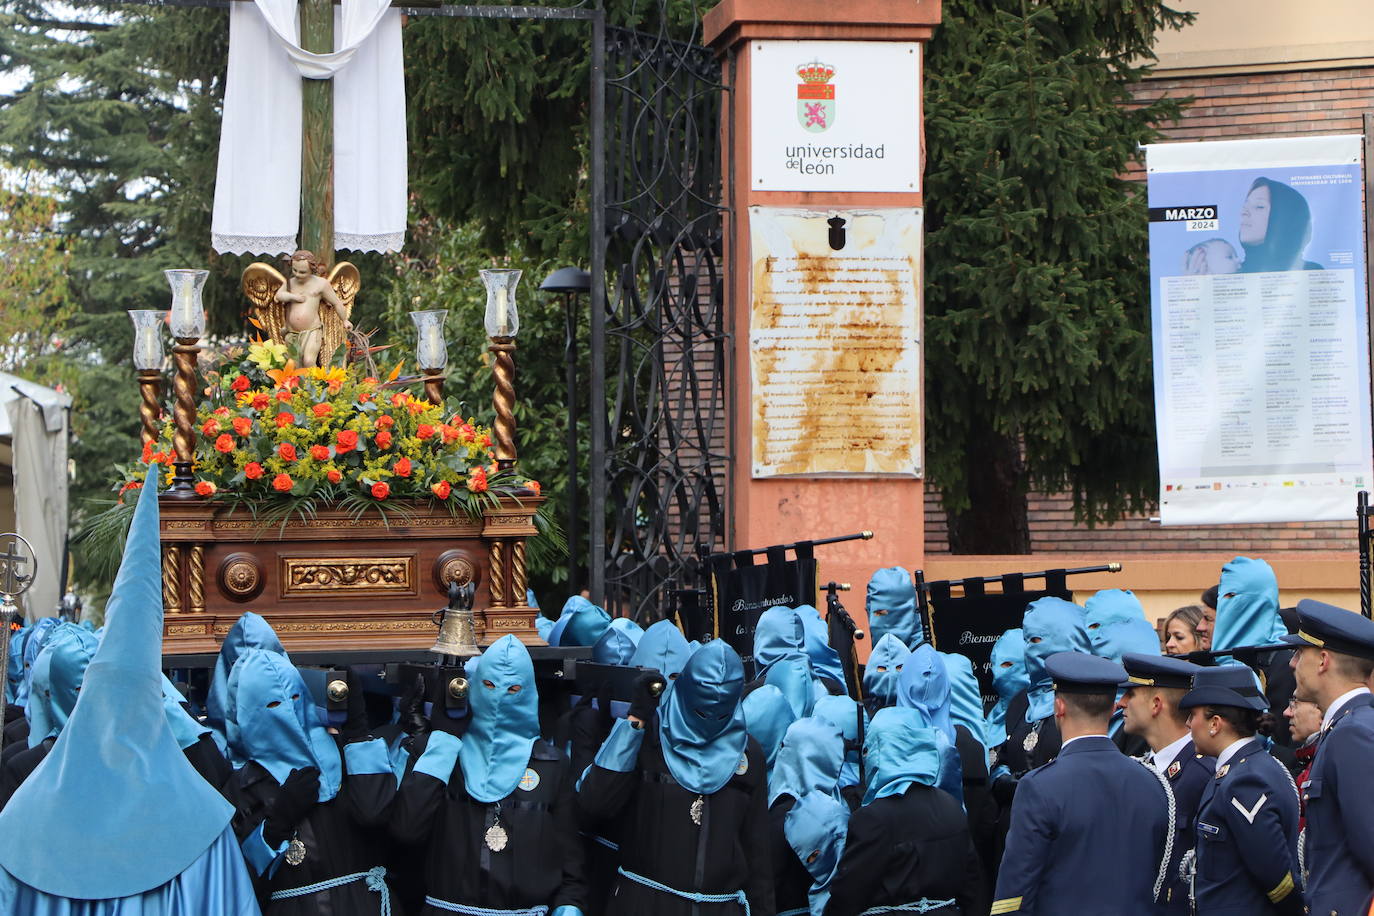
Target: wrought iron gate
(666, 464)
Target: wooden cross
(317, 137)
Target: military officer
(1090, 811)
(1247, 823)
(1154, 686)
(1333, 662)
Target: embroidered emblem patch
(529, 780)
(1223, 770)
(1173, 769)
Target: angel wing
(260, 284)
(346, 280)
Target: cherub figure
(307, 310)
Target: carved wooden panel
(313, 577)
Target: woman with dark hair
(1275, 227)
(1181, 631)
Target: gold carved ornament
(315, 575)
(261, 281)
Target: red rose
(221, 411)
(147, 451)
(380, 490)
(283, 395)
(252, 470)
(240, 383)
(242, 425)
(287, 451)
(260, 401)
(534, 485)
(477, 480)
(385, 421)
(282, 482)
(285, 419)
(450, 433)
(224, 443)
(319, 452)
(322, 410)
(364, 398)
(399, 398)
(441, 489)
(402, 467)
(205, 487)
(333, 475)
(210, 428)
(383, 439)
(426, 431)
(346, 440)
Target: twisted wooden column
(196, 580)
(171, 569)
(498, 573)
(519, 583)
(503, 399)
(150, 402)
(184, 415)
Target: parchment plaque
(835, 341)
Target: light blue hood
(810, 760)
(965, 699)
(1104, 615)
(891, 606)
(185, 728)
(816, 828)
(884, 667)
(1050, 625)
(580, 624)
(275, 722)
(56, 682)
(780, 634)
(38, 636)
(701, 725)
(924, 686)
(504, 724)
(617, 645)
(767, 714)
(793, 676)
(662, 648)
(1008, 679)
(843, 713)
(900, 750)
(250, 631)
(1250, 616)
(825, 661)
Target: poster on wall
(1260, 327)
(835, 116)
(835, 341)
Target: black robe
(791, 880)
(542, 865)
(906, 847)
(728, 852)
(1044, 748)
(585, 728)
(343, 836)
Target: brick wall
(1241, 106)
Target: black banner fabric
(741, 591)
(970, 626)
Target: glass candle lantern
(147, 338)
(502, 319)
(431, 351)
(188, 315)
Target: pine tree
(1037, 324)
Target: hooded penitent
(617, 645)
(825, 661)
(844, 713)
(923, 685)
(504, 706)
(14, 677)
(1247, 606)
(275, 722)
(883, 668)
(767, 714)
(117, 795)
(56, 681)
(810, 760)
(1050, 625)
(1008, 679)
(900, 750)
(794, 677)
(965, 699)
(37, 638)
(891, 606)
(250, 631)
(1112, 618)
(185, 728)
(701, 725)
(816, 828)
(779, 634)
(662, 648)
(581, 623)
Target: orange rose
(242, 425)
(385, 421)
(333, 475)
(240, 384)
(319, 452)
(477, 480)
(322, 410)
(485, 440)
(205, 487)
(534, 485)
(402, 467)
(441, 489)
(399, 398)
(380, 490)
(370, 380)
(224, 443)
(450, 433)
(285, 419)
(383, 439)
(252, 470)
(147, 451)
(283, 395)
(221, 411)
(287, 451)
(210, 428)
(346, 440)
(260, 401)
(425, 431)
(282, 482)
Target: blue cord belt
(924, 905)
(375, 878)
(435, 902)
(736, 897)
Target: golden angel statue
(306, 310)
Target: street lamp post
(568, 283)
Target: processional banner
(1260, 329)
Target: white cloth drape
(40, 499)
(257, 190)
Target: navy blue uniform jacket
(1088, 832)
(1189, 775)
(1340, 813)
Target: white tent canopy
(33, 426)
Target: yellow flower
(268, 354)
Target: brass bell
(457, 631)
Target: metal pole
(570, 371)
(596, 389)
(955, 583)
(1362, 519)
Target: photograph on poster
(1260, 341)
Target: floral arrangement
(270, 430)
